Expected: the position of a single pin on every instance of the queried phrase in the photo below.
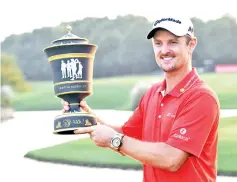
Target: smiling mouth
(167, 59)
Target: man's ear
(192, 44)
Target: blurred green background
(116, 92)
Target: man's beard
(170, 69)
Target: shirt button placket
(161, 105)
(159, 118)
(161, 110)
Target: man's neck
(173, 78)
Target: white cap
(178, 26)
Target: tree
(11, 76)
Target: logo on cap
(167, 19)
(190, 29)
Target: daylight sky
(19, 16)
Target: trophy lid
(69, 38)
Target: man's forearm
(117, 128)
(155, 154)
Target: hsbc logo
(182, 131)
(178, 136)
(181, 136)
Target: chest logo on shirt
(170, 115)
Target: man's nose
(164, 49)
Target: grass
(225, 85)
(84, 152)
(227, 153)
(111, 93)
(114, 93)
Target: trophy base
(67, 123)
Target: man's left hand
(100, 134)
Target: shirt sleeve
(194, 123)
(133, 127)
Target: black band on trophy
(69, 122)
(72, 59)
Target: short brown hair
(188, 39)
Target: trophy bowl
(72, 59)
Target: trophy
(72, 59)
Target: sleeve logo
(182, 131)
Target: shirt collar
(187, 82)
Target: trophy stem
(74, 100)
(74, 107)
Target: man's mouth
(167, 59)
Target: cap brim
(152, 32)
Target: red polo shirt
(185, 118)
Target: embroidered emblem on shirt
(182, 131)
(170, 115)
(181, 90)
(178, 136)
(182, 136)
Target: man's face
(172, 52)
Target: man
(173, 131)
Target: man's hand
(84, 106)
(100, 134)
